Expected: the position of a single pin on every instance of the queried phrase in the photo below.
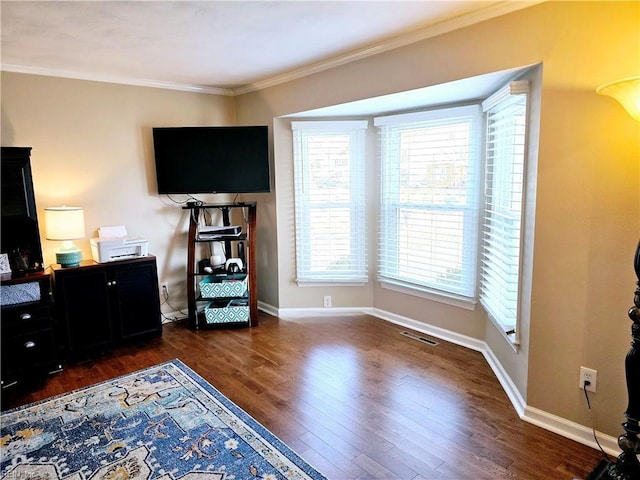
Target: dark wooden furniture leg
(627, 467)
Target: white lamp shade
(625, 91)
(64, 223)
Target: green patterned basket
(234, 312)
(218, 286)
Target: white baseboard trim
(268, 308)
(301, 313)
(535, 416)
(571, 430)
(514, 395)
(441, 333)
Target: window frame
(304, 207)
(492, 302)
(466, 295)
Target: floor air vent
(428, 341)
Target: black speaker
(241, 252)
(202, 264)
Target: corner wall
(588, 205)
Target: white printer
(114, 244)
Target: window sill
(450, 299)
(513, 340)
(330, 283)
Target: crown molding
(115, 79)
(496, 10)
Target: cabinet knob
(111, 283)
(25, 316)
(29, 344)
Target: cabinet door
(136, 300)
(28, 354)
(28, 345)
(84, 304)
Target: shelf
(197, 318)
(202, 321)
(193, 205)
(224, 238)
(217, 271)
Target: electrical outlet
(165, 291)
(588, 375)
(327, 300)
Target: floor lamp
(626, 467)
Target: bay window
(450, 210)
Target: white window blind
(330, 215)
(506, 123)
(430, 182)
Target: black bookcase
(20, 235)
(29, 350)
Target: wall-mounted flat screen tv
(229, 159)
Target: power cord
(165, 295)
(593, 428)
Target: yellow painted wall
(92, 146)
(588, 196)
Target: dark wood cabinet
(28, 329)
(103, 304)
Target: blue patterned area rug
(163, 422)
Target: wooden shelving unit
(198, 304)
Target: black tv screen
(231, 159)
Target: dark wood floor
(356, 399)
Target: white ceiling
(225, 47)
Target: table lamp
(65, 224)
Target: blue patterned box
(235, 311)
(217, 286)
(19, 293)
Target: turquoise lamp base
(69, 259)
